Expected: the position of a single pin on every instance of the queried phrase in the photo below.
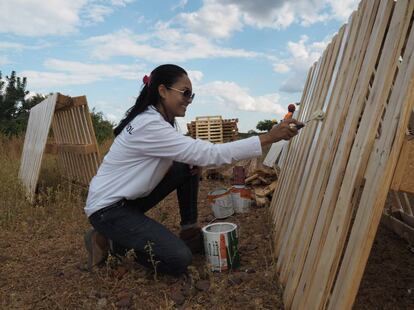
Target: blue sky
(247, 59)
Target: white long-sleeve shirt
(143, 152)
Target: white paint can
(241, 198)
(221, 246)
(220, 202)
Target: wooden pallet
(74, 141)
(230, 130)
(340, 170)
(209, 128)
(228, 127)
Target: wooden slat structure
(230, 130)
(37, 131)
(214, 129)
(340, 169)
(209, 128)
(74, 140)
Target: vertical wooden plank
(330, 255)
(80, 158)
(304, 153)
(270, 160)
(321, 167)
(293, 231)
(329, 193)
(69, 128)
(301, 202)
(382, 162)
(291, 165)
(276, 196)
(74, 127)
(79, 117)
(39, 123)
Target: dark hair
(165, 74)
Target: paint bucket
(220, 202)
(220, 246)
(241, 198)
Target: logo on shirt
(129, 129)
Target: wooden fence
(337, 172)
(74, 140)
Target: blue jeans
(126, 224)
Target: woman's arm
(279, 132)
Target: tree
(23, 111)
(103, 128)
(15, 109)
(265, 125)
(11, 102)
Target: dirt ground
(43, 267)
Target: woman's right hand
(282, 131)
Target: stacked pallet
(214, 129)
(209, 128)
(230, 130)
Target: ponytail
(140, 106)
(164, 74)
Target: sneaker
(193, 238)
(97, 247)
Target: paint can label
(221, 246)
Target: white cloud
(180, 5)
(213, 19)
(96, 13)
(96, 10)
(195, 76)
(164, 44)
(276, 14)
(128, 72)
(53, 17)
(38, 17)
(121, 3)
(11, 45)
(301, 57)
(19, 47)
(65, 73)
(114, 111)
(281, 68)
(50, 80)
(235, 97)
(342, 9)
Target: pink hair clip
(146, 80)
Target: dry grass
(43, 258)
(55, 198)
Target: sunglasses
(187, 94)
